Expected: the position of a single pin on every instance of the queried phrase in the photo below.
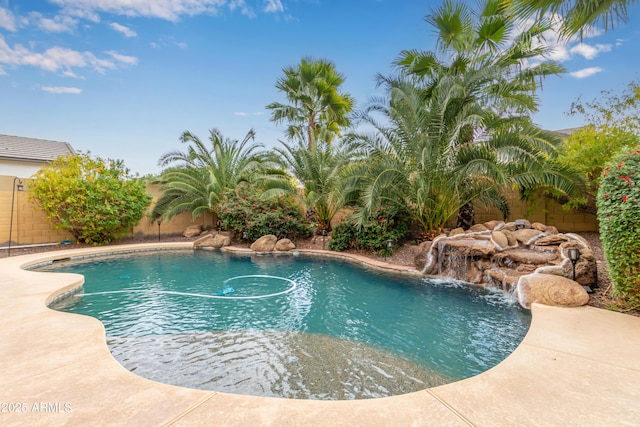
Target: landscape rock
(550, 229)
(499, 239)
(477, 227)
(527, 236)
(265, 243)
(512, 257)
(420, 259)
(204, 242)
(220, 240)
(509, 226)
(494, 224)
(468, 248)
(192, 231)
(554, 239)
(456, 231)
(510, 237)
(539, 226)
(550, 290)
(284, 245)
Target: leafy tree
(613, 126)
(94, 199)
(200, 176)
(314, 102)
(619, 217)
(317, 170)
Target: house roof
(32, 149)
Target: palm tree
(577, 15)
(314, 101)
(200, 176)
(317, 171)
(499, 63)
(419, 159)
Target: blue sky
(124, 78)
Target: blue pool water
(291, 326)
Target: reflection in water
(271, 363)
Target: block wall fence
(30, 227)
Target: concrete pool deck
(576, 366)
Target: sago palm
(196, 179)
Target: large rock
(204, 242)
(494, 225)
(212, 241)
(500, 240)
(192, 231)
(503, 278)
(512, 257)
(468, 247)
(284, 245)
(550, 290)
(510, 237)
(456, 231)
(539, 226)
(477, 228)
(586, 268)
(527, 236)
(420, 259)
(220, 240)
(553, 240)
(265, 243)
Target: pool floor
(576, 366)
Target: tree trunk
(466, 216)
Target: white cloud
(2, 72)
(129, 60)
(164, 9)
(589, 51)
(59, 23)
(240, 113)
(60, 89)
(60, 59)
(126, 31)
(7, 20)
(586, 72)
(273, 6)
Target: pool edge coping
(435, 399)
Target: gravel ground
(601, 297)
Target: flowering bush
(619, 215)
(244, 210)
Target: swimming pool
(318, 329)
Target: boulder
(527, 236)
(552, 240)
(494, 224)
(552, 290)
(284, 245)
(204, 242)
(477, 227)
(456, 231)
(586, 268)
(509, 226)
(539, 226)
(512, 257)
(550, 229)
(220, 240)
(510, 237)
(468, 247)
(192, 231)
(503, 278)
(265, 243)
(500, 240)
(420, 259)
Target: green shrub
(619, 215)
(373, 235)
(245, 211)
(95, 200)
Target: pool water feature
(290, 326)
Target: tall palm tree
(419, 160)
(499, 61)
(196, 179)
(314, 102)
(577, 15)
(317, 170)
